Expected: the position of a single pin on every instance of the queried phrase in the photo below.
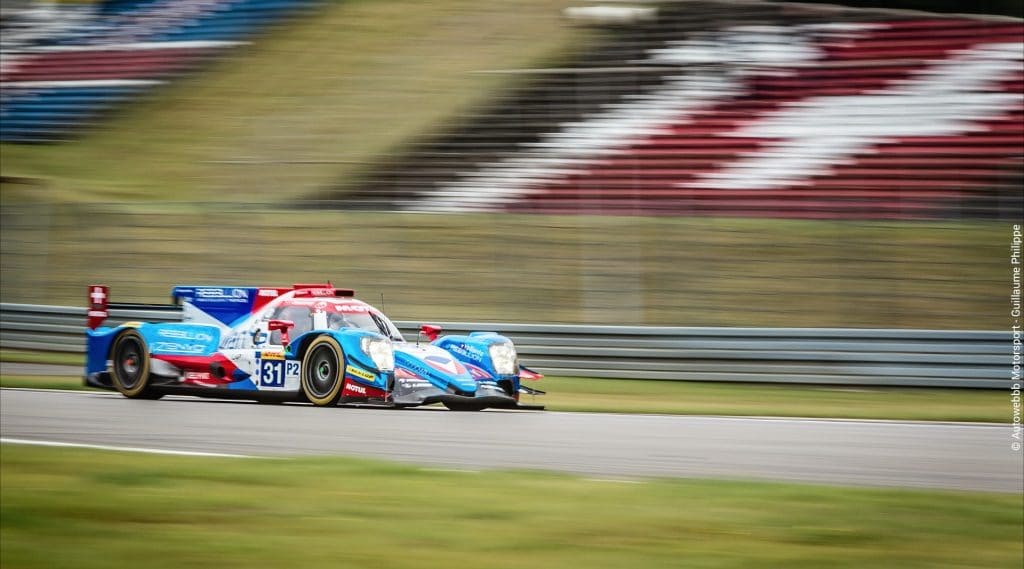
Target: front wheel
(131, 366)
(323, 371)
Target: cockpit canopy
(341, 313)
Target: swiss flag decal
(99, 296)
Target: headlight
(380, 352)
(504, 357)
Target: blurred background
(685, 163)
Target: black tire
(506, 385)
(130, 372)
(323, 371)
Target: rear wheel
(322, 371)
(131, 366)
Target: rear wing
(214, 304)
(241, 294)
(227, 305)
(99, 306)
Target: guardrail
(855, 357)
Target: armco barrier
(934, 358)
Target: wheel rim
(322, 373)
(129, 358)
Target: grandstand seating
(777, 110)
(51, 85)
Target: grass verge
(697, 398)
(85, 509)
(42, 382)
(707, 398)
(50, 358)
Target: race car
(306, 342)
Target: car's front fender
(358, 364)
(474, 351)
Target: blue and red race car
(308, 342)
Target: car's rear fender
(162, 339)
(97, 347)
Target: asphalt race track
(871, 453)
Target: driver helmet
(336, 321)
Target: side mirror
(283, 326)
(431, 331)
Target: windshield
(340, 315)
(370, 321)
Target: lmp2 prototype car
(306, 342)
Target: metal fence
(860, 357)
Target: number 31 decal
(274, 372)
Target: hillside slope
(310, 102)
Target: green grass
(705, 398)
(32, 357)
(42, 382)
(89, 509)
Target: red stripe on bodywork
(201, 364)
(354, 389)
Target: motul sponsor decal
(353, 389)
